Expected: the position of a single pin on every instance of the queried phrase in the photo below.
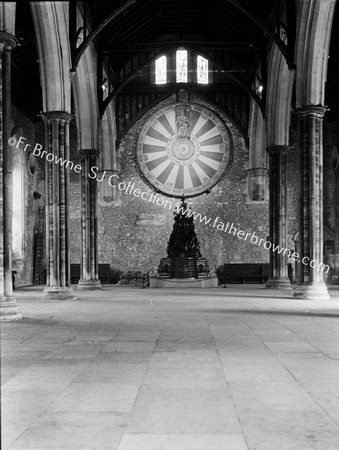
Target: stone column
(56, 194)
(89, 245)
(278, 234)
(311, 207)
(8, 307)
(257, 184)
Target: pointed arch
(7, 17)
(51, 28)
(85, 96)
(314, 19)
(279, 98)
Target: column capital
(7, 41)
(56, 116)
(276, 149)
(90, 152)
(311, 110)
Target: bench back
(103, 273)
(246, 269)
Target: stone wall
(293, 184)
(331, 171)
(133, 233)
(74, 200)
(331, 195)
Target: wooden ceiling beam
(231, 73)
(227, 46)
(96, 32)
(224, 88)
(285, 51)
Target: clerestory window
(161, 70)
(181, 67)
(202, 70)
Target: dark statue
(184, 259)
(183, 241)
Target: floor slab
(242, 368)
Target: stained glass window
(161, 70)
(202, 70)
(181, 66)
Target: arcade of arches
(74, 83)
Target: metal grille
(39, 267)
(133, 278)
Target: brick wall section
(74, 199)
(331, 177)
(293, 183)
(331, 138)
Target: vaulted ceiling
(152, 20)
(232, 33)
(229, 32)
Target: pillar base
(316, 291)
(279, 283)
(88, 285)
(58, 293)
(9, 309)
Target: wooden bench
(103, 273)
(247, 273)
(75, 273)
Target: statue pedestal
(184, 268)
(182, 283)
(165, 268)
(184, 265)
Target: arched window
(186, 66)
(202, 70)
(161, 70)
(181, 66)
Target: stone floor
(146, 369)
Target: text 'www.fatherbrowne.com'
(155, 198)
